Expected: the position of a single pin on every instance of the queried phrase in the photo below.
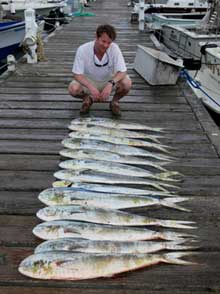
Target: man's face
(103, 43)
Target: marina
(35, 112)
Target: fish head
(34, 266)
(47, 230)
(45, 195)
(48, 213)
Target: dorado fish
(110, 123)
(120, 141)
(90, 177)
(74, 143)
(105, 200)
(75, 229)
(110, 156)
(100, 130)
(63, 265)
(65, 187)
(115, 168)
(106, 216)
(109, 247)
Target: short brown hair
(108, 29)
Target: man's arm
(84, 82)
(108, 88)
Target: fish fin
(174, 258)
(170, 202)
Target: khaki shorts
(100, 85)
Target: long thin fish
(62, 265)
(100, 130)
(109, 247)
(74, 143)
(105, 200)
(75, 229)
(110, 123)
(69, 187)
(89, 177)
(115, 168)
(110, 156)
(120, 141)
(106, 216)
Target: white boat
(185, 42)
(154, 21)
(206, 82)
(200, 46)
(174, 6)
(42, 7)
(11, 36)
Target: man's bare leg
(76, 90)
(123, 87)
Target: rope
(184, 73)
(40, 48)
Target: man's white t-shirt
(85, 60)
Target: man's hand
(106, 92)
(96, 95)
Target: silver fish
(120, 141)
(74, 143)
(90, 177)
(115, 168)
(100, 130)
(109, 247)
(66, 186)
(106, 216)
(110, 156)
(117, 124)
(105, 200)
(63, 265)
(75, 229)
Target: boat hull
(41, 9)
(11, 36)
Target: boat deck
(35, 110)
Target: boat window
(189, 43)
(190, 4)
(177, 3)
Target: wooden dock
(35, 110)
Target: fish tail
(174, 236)
(170, 202)
(159, 166)
(177, 246)
(154, 138)
(175, 258)
(165, 176)
(162, 148)
(159, 187)
(159, 130)
(176, 224)
(169, 185)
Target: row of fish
(86, 233)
